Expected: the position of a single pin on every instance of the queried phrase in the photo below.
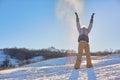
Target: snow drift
(106, 68)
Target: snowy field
(16, 62)
(105, 68)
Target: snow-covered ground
(105, 68)
(11, 60)
(2, 57)
(15, 62)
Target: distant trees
(24, 54)
(21, 54)
(105, 52)
(51, 52)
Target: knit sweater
(83, 32)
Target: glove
(76, 14)
(77, 19)
(92, 15)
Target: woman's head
(83, 26)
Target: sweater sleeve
(90, 25)
(78, 24)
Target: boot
(89, 66)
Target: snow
(2, 57)
(106, 68)
(35, 59)
(12, 61)
(15, 62)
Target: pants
(83, 45)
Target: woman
(83, 41)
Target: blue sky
(33, 24)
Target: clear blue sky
(33, 24)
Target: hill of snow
(15, 62)
(12, 61)
(105, 68)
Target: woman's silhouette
(83, 40)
